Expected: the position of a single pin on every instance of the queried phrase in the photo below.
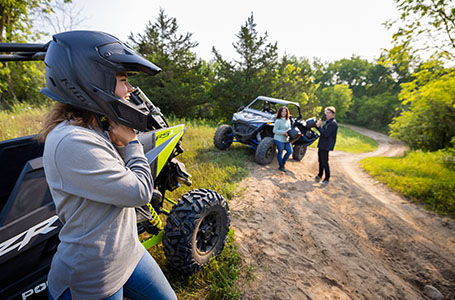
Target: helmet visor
(119, 54)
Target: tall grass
(428, 177)
(210, 167)
(22, 120)
(220, 171)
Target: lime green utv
(197, 225)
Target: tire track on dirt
(353, 239)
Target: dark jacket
(328, 136)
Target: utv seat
(14, 156)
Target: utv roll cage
(23, 52)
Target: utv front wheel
(265, 151)
(223, 137)
(299, 152)
(196, 230)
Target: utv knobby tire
(223, 137)
(265, 151)
(299, 152)
(196, 230)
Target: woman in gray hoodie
(96, 171)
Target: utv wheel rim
(226, 140)
(207, 234)
(269, 152)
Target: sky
(326, 29)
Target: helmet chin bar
(155, 119)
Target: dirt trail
(353, 239)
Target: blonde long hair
(66, 112)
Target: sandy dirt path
(353, 239)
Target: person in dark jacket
(326, 143)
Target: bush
(428, 122)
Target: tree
(293, 82)
(251, 75)
(20, 82)
(400, 62)
(426, 25)
(182, 87)
(428, 118)
(377, 111)
(339, 96)
(16, 23)
(66, 16)
(373, 84)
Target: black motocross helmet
(81, 68)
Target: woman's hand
(120, 135)
(319, 123)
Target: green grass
(220, 171)
(428, 177)
(351, 141)
(210, 167)
(21, 121)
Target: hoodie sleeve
(90, 168)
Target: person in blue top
(282, 125)
(326, 143)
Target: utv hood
(253, 117)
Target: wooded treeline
(400, 91)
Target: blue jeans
(283, 146)
(146, 282)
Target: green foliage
(376, 112)
(241, 81)
(422, 176)
(16, 23)
(20, 82)
(339, 96)
(293, 82)
(448, 157)
(428, 118)
(182, 88)
(352, 72)
(400, 62)
(374, 86)
(429, 25)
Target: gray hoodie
(95, 191)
